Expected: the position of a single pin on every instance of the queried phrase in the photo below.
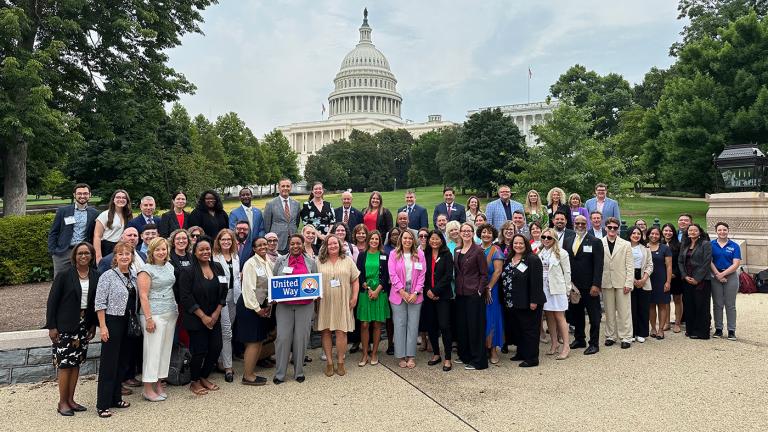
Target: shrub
(24, 249)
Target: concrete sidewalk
(672, 384)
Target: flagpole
(529, 84)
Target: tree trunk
(15, 179)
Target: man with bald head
(346, 213)
(585, 252)
(147, 216)
(130, 236)
(402, 224)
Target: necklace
(81, 275)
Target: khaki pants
(616, 302)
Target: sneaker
(640, 339)
(458, 360)
(323, 357)
(718, 333)
(469, 367)
(731, 335)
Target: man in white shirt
(596, 220)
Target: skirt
(372, 310)
(252, 328)
(71, 349)
(555, 302)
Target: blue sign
(300, 287)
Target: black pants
(437, 319)
(113, 359)
(592, 306)
(470, 326)
(697, 309)
(524, 324)
(134, 351)
(641, 304)
(205, 347)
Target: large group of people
(516, 274)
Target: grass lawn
(665, 209)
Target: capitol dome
(365, 87)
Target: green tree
(448, 157)
(286, 161)
(244, 158)
(424, 151)
(705, 18)
(396, 144)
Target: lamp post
(742, 167)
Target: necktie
(240, 248)
(410, 209)
(346, 217)
(149, 220)
(286, 210)
(576, 244)
(449, 210)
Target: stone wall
(26, 365)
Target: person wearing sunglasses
(618, 280)
(557, 282)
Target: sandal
(199, 391)
(104, 413)
(403, 364)
(676, 329)
(411, 364)
(123, 404)
(653, 334)
(363, 362)
(212, 387)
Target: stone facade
(525, 115)
(746, 213)
(35, 364)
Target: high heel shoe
(563, 356)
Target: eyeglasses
(195, 235)
(272, 241)
(86, 253)
(422, 236)
(579, 223)
(547, 238)
(612, 228)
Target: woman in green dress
(535, 211)
(373, 303)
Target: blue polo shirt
(723, 257)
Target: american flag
(323, 111)
(530, 73)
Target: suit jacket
(138, 222)
(383, 272)
(561, 208)
(521, 288)
(471, 271)
(417, 218)
(568, 234)
(495, 213)
(458, 213)
(701, 258)
(586, 265)
(169, 223)
(602, 230)
(60, 236)
(276, 222)
(194, 295)
(619, 267)
(396, 268)
(257, 229)
(211, 225)
(443, 276)
(610, 208)
(63, 311)
(355, 217)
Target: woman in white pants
(158, 316)
(225, 253)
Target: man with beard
(560, 219)
(73, 224)
(242, 234)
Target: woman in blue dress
(494, 333)
(661, 281)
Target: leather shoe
(300, 379)
(625, 345)
(277, 381)
(578, 344)
(609, 342)
(527, 364)
(447, 368)
(516, 357)
(434, 362)
(591, 350)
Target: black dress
(321, 219)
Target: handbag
(574, 295)
(134, 326)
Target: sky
(273, 62)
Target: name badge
(587, 249)
(260, 272)
(574, 213)
(522, 267)
(223, 279)
(288, 270)
(383, 257)
(69, 220)
(418, 266)
(335, 283)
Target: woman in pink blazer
(407, 268)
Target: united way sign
(300, 287)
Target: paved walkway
(672, 384)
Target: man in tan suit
(618, 278)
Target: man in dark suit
(73, 224)
(586, 257)
(560, 219)
(417, 215)
(597, 229)
(146, 216)
(243, 234)
(348, 214)
(245, 212)
(451, 209)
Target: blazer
(471, 270)
(586, 265)
(417, 218)
(111, 293)
(610, 208)
(495, 213)
(383, 271)
(384, 221)
(701, 258)
(138, 222)
(236, 266)
(60, 236)
(276, 222)
(256, 230)
(443, 276)
(619, 267)
(210, 224)
(169, 223)
(559, 275)
(523, 287)
(194, 295)
(647, 267)
(355, 216)
(601, 230)
(458, 213)
(568, 235)
(396, 268)
(63, 311)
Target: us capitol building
(365, 98)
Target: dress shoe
(591, 350)
(609, 342)
(527, 364)
(276, 381)
(391, 350)
(66, 412)
(434, 362)
(300, 379)
(229, 377)
(625, 345)
(578, 344)
(447, 368)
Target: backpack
(761, 281)
(179, 371)
(747, 284)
